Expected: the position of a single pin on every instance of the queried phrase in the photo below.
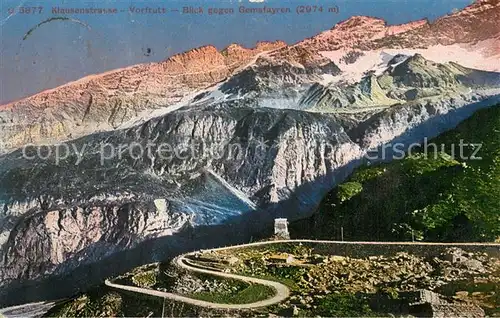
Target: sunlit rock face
(105, 101)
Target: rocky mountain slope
(443, 192)
(58, 217)
(406, 79)
(105, 101)
(473, 24)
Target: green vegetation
(287, 275)
(344, 305)
(431, 195)
(255, 266)
(104, 302)
(245, 294)
(366, 173)
(348, 190)
(145, 279)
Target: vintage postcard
(275, 158)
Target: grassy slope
(249, 293)
(105, 302)
(438, 198)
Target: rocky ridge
(406, 79)
(106, 101)
(473, 24)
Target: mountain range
(274, 128)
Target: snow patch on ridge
(484, 55)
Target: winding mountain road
(281, 291)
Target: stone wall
(365, 249)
